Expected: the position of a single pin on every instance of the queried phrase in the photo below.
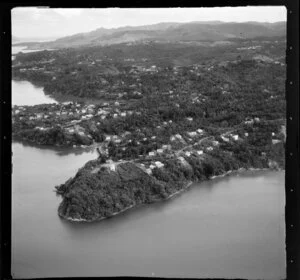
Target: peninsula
(162, 114)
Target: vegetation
(161, 121)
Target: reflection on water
(228, 227)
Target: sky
(28, 22)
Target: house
(246, 134)
(115, 115)
(187, 154)
(151, 154)
(153, 137)
(275, 141)
(123, 114)
(166, 147)
(200, 152)
(235, 137)
(256, 119)
(160, 151)
(215, 143)
(273, 134)
(172, 138)
(152, 166)
(192, 133)
(200, 131)
(159, 164)
(190, 119)
(70, 130)
(224, 138)
(209, 148)
(117, 103)
(149, 171)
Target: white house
(275, 141)
(149, 171)
(165, 147)
(192, 133)
(200, 152)
(151, 154)
(172, 138)
(209, 148)
(152, 166)
(224, 138)
(160, 151)
(159, 164)
(235, 137)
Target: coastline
(185, 188)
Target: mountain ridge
(168, 31)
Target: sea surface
(231, 227)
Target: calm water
(24, 92)
(229, 227)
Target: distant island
(163, 113)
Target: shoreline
(59, 97)
(185, 188)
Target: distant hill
(26, 40)
(169, 32)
